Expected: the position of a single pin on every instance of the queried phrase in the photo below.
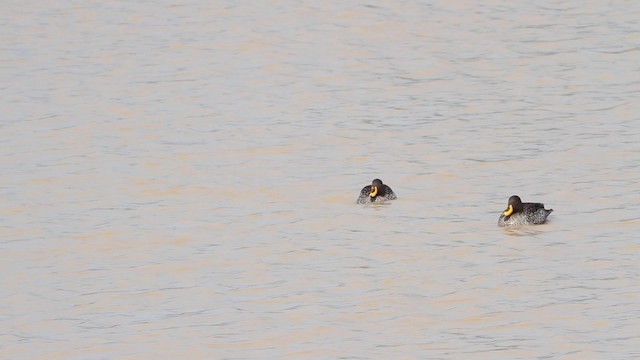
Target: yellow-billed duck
(375, 192)
(519, 213)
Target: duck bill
(509, 211)
(374, 191)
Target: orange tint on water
(179, 180)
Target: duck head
(514, 205)
(376, 188)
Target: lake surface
(179, 180)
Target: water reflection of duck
(519, 213)
(375, 192)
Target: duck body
(519, 213)
(376, 192)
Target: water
(179, 180)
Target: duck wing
(532, 207)
(389, 194)
(363, 198)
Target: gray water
(179, 180)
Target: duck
(519, 213)
(376, 192)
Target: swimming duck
(377, 191)
(519, 213)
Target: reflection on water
(179, 180)
(523, 231)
